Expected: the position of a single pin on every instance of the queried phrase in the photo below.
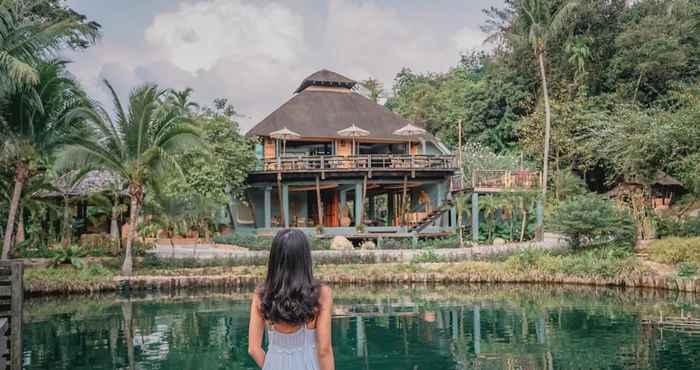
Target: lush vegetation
(675, 250)
(618, 82)
(155, 149)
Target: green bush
(72, 255)
(592, 219)
(605, 261)
(675, 250)
(687, 270)
(100, 245)
(668, 227)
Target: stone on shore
(341, 243)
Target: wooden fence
(11, 300)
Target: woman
(295, 308)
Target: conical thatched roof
(326, 78)
(321, 113)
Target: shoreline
(375, 274)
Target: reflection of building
(311, 173)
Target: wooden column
(318, 201)
(391, 208)
(440, 201)
(280, 197)
(402, 212)
(371, 211)
(267, 211)
(475, 217)
(285, 205)
(359, 202)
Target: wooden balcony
(358, 163)
(496, 181)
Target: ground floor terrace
(347, 205)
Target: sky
(256, 52)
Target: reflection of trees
(481, 328)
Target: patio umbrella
(284, 134)
(353, 132)
(410, 131)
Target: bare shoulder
(326, 295)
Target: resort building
(337, 163)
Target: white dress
(291, 351)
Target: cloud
(467, 38)
(198, 35)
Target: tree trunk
(20, 178)
(524, 222)
(20, 237)
(547, 128)
(114, 223)
(135, 194)
(65, 239)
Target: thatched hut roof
(327, 78)
(91, 183)
(322, 111)
(661, 179)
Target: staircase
(431, 217)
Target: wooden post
(283, 221)
(11, 301)
(403, 201)
(364, 197)
(267, 212)
(285, 201)
(475, 217)
(318, 201)
(359, 204)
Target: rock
(499, 241)
(341, 243)
(368, 245)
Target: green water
(439, 327)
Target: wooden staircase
(431, 217)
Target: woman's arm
(323, 330)
(256, 330)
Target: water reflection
(473, 327)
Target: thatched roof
(323, 112)
(326, 78)
(662, 178)
(91, 183)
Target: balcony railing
(358, 163)
(499, 180)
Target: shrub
(687, 270)
(675, 250)
(668, 227)
(69, 255)
(98, 245)
(606, 261)
(590, 219)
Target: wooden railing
(499, 180)
(358, 162)
(496, 181)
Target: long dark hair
(290, 294)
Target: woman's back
(294, 350)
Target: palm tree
(138, 145)
(183, 100)
(540, 21)
(27, 39)
(374, 89)
(34, 123)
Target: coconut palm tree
(538, 22)
(137, 144)
(34, 123)
(27, 39)
(183, 100)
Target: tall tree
(373, 89)
(537, 22)
(138, 144)
(35, 122)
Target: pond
(383, 328)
